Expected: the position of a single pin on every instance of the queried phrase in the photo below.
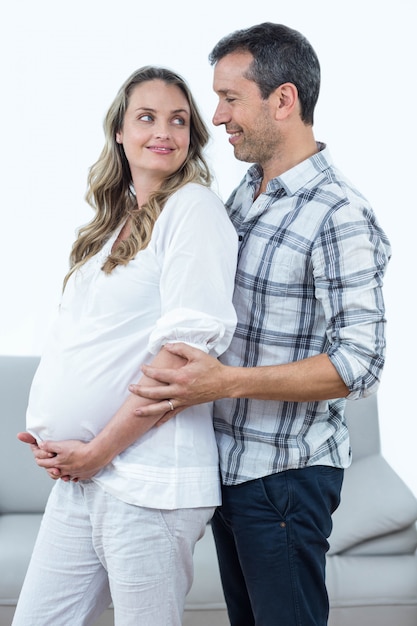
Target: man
(310, 333)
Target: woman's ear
(285, 100)
(119, 137)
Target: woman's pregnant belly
(76, 393)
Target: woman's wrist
(99, 453)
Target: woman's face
(156, 131)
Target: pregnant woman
(155, 265)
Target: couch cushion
(375, 502)
(372, 581)
(17, 538)
(206, 591)
(24, 487)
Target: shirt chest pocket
(276, 269)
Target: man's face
(248, 119)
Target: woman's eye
(179, 121)
(146, 117)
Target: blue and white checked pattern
(309, 280)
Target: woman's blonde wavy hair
(110, 187)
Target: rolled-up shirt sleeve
(196, 246)
(350, 264)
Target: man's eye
(230, 99)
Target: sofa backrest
(24, 487)
(362, 420)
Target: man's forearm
(312, 379)
(205, 379)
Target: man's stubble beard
(260, 145)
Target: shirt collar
(295, 178)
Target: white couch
(371, 566)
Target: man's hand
(200, 380)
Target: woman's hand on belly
(69, 460)
(38, 453)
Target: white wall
(61, 64)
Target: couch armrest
(375, 501)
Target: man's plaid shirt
(309, 280)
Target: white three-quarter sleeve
(196, 246)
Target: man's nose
(221, 114)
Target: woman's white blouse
(178, 289)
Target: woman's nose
(162, 131)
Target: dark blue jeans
(271, 540)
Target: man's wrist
(231, 382)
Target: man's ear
(285, 100)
